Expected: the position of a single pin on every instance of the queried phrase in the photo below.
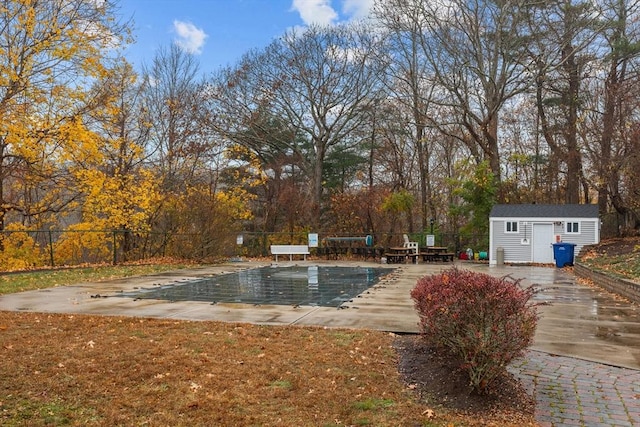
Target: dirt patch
(612, 247)
(439, 381)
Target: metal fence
(35, 248)
(254, 244)
(74, 247)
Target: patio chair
(410, 244)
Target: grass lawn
(77, 370)
(618, 257)
(31, 280)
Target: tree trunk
(318, 169)
(573, 159)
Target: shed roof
(534, 210)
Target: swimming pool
(293, 285)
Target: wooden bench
(290, 250)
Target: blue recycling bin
(563, 254)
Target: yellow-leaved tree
(119, 193)
(51, 53)
(20, 250)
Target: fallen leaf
(429, 413)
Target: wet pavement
(574, 392)
(583, 368)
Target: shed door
(542, 243)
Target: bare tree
(477, 53)
(321, 82)
(412, 85)
(611, 111)
(525, 156)
(175, 113)
(561, 54)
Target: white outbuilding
(525, 233)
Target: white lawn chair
(410, 244)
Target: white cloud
(321, 12)
(357, 8)
(190, 38)
(315, 11)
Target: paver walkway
(574, 392)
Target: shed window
(572, 227)
(511, 227)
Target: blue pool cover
(295, 285)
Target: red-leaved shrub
(482, 320)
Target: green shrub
(481, 320)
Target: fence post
(115, 260)
(51, 248)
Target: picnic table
(436, 253)
(400, 254)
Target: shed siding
(516, 252)
(586, 236)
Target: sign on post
(431, 240)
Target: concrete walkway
(583, 369)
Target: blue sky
(219, 32)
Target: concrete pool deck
(583, 368)
(579, 321)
